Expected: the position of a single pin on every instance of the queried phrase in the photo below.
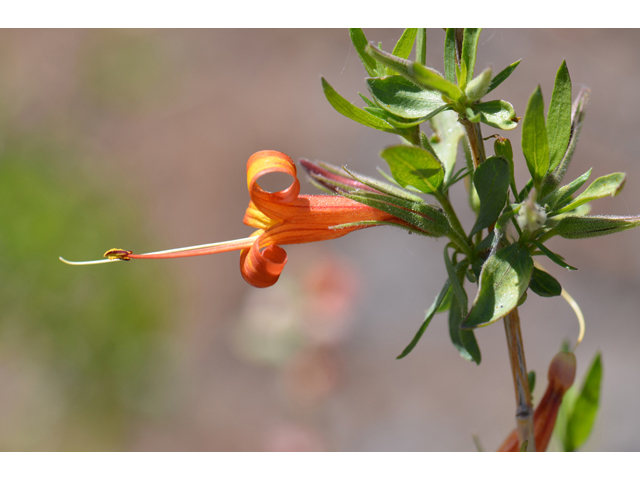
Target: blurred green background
(138, 139)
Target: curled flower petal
(262, 268)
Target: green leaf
(562, 196)
(421, 46)
(502, 76)
(544, 284)
(419, 74)
(504, 279)
(459, 293)
(492, 183)
(464, 340)
(429, 315)
(373, 67)
(478, 87)
(432, 80)
(356, 114)
(469, 49)
(554, 257)
(407, 124)
(414, 166)
(502, 148)
(472, 116)
(405, 44)
(383, 187)
(534, 139)
(497, 113)
(430, 220)
(577, 119)
(367, 101)
(404, 98)
(397, 64)
(583, 414)
(446, 303)
(449, 133)
(559, 117)
(450, 55)
(458, 311)
(594, 226)
(609, 185)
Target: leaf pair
(545, 143)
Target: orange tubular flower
(282, 218)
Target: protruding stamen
(90, 262)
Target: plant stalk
(524, 408)
(459, 237)
(474, 134)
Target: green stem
(551, 233)
(457, 235)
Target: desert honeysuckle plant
(512, 224)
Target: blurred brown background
(138, 139)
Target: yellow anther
(118, 254)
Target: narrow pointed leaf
(432, 80)
(429, 315)
(404, 98)
(502, 148)
(609, 185)
(414, 166)
(554, 257)
(497, 113)
(544, 284)
(585, 408)
(405, 43)
(577, 119)
(427, 218)
(421, 46)
(426, 144)
(478, 87)
(465, 344)
(456, 285)
(399, 65)
(492, 183)
(450, 55)
(594, 226)
(373, 67)
(356, 114)
(469, 49)
(419, 74)
(502, 76)
(446, 303)
(535, 145)
(562, 196)
(407, 124)
(384, 187)
(504, 279)
(367, 101)
(559, 117)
